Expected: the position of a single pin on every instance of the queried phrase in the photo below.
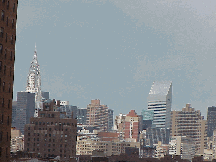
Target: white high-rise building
(34, 83)
(160, 100)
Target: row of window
(5, 53)
(8, 5)
(3, 86)
(2, 120)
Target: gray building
(211, 120)
(45, 95)
(14, 107)
(81, 116)
(160, 100)
(23, 110)
(68, 109)
(110, 119)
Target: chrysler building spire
(34, 82)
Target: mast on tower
(34, 82)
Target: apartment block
(110, 119)
(97, 115)
(8, 18)
(190, 123)
(17, 140)
(81, 116)
(49, 135)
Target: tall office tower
(211, 120)
(24, 110)
(34, 82)
(45, 95)
(81, 116)
(190, 123)
(132, 129)
(8, 17)
(160, 100)
(110, 119)
(49, 135)
(148, 116)
(97, 115)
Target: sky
(113, 50)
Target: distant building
(132, 129)
(17, 140)
(14, 107)
(211, 120)
(190, 123)
(183, 146)
(64, 103)
(49, 135)
(148, 116)
(24, 110)
(120, 125)
(110, 119)
(45, 95)
(69, 109)
(160, 100)
(97, 115)
(81, 116)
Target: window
(14, 7)
(3, 86)
(1, 135)
(0, 66)
(11, 55)
(7, 21)
(1, 48)
(5, 53)
(2, 102)
(12, 39)
(0, 151)
(8, 3)
(5, 70)
(1, 32)
(2, 15)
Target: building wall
(189, 122)
(8, 17)
(49, 135)
(211, 120)
(159, 101)
(81, 116)
(110, 119)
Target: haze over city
(114, 50)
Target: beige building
(190, 123)
(50, 135)
(86, 145)
(161, 150)
(17, 140)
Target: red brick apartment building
(8, 17)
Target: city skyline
(116, 55)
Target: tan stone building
(190, 123)
(17, 140)
(50, 135)
(8, 17)
(97, 115)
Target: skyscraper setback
(34, 82)
(160, 100)
(8, 11)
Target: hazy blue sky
(113, 50)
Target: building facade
(8, 11)
(24, 110)
(132, 129)
(49, 135)
(160, 101)
(81, 116)
(190, 123)
(211, 120)
(110, 119)
(17, 140)
(97, 115)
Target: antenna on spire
(35, 46)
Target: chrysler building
(34, 82)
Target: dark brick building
(8, 17)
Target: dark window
(12, 23)
(0, 66)
(8, 3)
(11, 55)
(5, 70)
(1, 48)
(1, 135)
(9, 88)
(7, 21)
(2, 119)
(1, 32)
(12, 39)
(13, 7)
(5, 53)
(2, 15)
(8, 103)
(0, 151)
(3, 1)
(3, 86)
(2, 102)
